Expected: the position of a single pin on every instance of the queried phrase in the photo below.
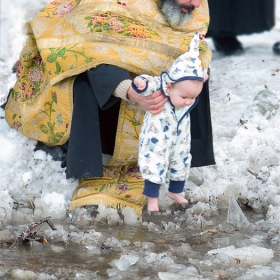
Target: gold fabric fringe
(118, 188)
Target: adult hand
(152, 103)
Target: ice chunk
(57, 249)
(80, 275)
(8, 150)
(263, 108)
(40, 155)
(27, 178)
(80, 216)
(44, 276)
(259, 273)
(269, 157)
(54, 205)
(249, 255)
(24, 215)
(113, 272)
(189, 273)
(169, 276)
(235, 215)
(109, 215)
(220, 250)
(130, 217)
(266, 102)
(94, 250)
(6, 204)
(125, 262)
(23, 274)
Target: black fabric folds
(93, 98)
(201, 131)
(238, 17)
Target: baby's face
(184, 93)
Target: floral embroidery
(50, 127)
(60, 53)
(34, 75)
(109, 23)
(59, 9)
(30, 70)
(27, 90)
(138, 31)
(16, 125)
(134, 118)
(123, 188)
(135, 172)
(132, 170)
(39, 60)
(121, 3)
(63, 9)
(110, 172)
(59, 119)
(115, 24)
(19, 69)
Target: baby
(164, 142)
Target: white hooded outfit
(164, 142)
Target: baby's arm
(148, 85)
(140, 83)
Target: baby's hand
(140, 83)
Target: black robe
(238, 17)
(95, 118)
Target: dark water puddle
(78, 261)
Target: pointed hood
(186, 67)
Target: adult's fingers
(152, 103)
(157, 105)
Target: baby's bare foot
(177, 197)
(152, 204)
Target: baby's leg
(152, 204)
(174, 191)
(151, 190)
(177, 197)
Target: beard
(173, 14)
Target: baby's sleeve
(152, 84)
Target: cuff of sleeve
(121, 90)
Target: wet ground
(161, 243)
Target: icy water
(95, 251)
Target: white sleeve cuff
(121, 89)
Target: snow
(245, 94)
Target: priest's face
(178, 12)
(187, 6)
